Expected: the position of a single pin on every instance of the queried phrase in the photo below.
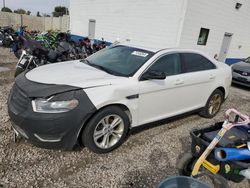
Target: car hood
(242, 66)
(72, 73)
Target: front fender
(113, 95)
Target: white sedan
(96, 101)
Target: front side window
(120, 60)
(169, 64)
(196, 62)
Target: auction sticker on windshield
(138, 53)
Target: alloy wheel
(214, 104)
(108, 131)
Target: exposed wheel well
(222, 90)
(122, 106)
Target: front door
(225, 47)
(159, 99)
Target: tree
(38, 14)
(6, 9)
(28, 12)
(60, 11)
(20, 11)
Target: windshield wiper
(105, 69)
(101, 68)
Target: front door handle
(179, 82)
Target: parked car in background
(241, 72)
(97, 100)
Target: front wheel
(106, 130)
(18, 71)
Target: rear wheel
(1, 38)
(18, 53)
(213, 104)
(106, 130)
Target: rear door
(199, 76)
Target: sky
(43, 6)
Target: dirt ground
(145, 159)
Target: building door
(225, 47)
(91, 29)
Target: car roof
(155, 50)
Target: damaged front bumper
(47, 130)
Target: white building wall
(219, 16)
(145, 22)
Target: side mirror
(151, 75)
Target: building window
(203, 36)
(92, 24)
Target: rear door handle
(179, 82)
(211, 76)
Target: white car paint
(158, 99)
(73, 73)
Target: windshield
(247, 60)
(119, 60)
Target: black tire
(1, 37)
(185, 165)
(94, 123)
(208, 111)
(18, 53)
(6, 43)
(18, 71)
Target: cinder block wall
(33, 22)
(8, 19)
(65, 23)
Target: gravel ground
(145, 159)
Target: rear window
(196, 62)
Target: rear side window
(169, 64)
(196, 62)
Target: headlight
(45, 106)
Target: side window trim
(161, 56)
(183, 63)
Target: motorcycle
(7, 36)
(48, 40)
(34, 55)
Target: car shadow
(240, 87)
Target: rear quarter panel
(223, 77)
